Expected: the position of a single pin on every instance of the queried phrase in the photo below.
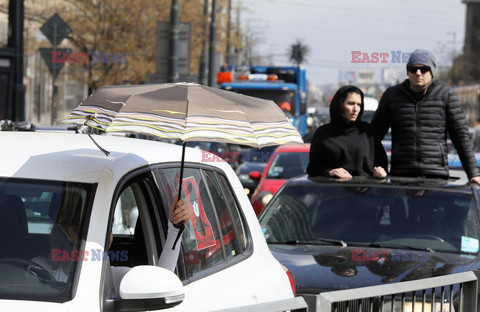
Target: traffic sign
(54, 64)
(56, 29)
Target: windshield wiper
(400, 246)
(338, 242)
(312, 241)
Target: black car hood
(319, 268)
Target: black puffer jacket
(419, 130)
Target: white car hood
(37, 306)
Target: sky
(334, 28)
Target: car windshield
(41, 226)
(288, 165)
(442, 220)
(258, 155)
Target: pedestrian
(346, 146)
(421, 112)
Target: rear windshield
(288, 165)
(391, 216)
(40, 232)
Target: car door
(135, 227)
(214, 243)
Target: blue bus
(285, 85)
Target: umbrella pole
(180, 226)
(87, 118)
(98, 146)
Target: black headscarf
(336, 111)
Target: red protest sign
(200, 223)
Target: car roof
(75, 158)
(458, 181)
(293, 148)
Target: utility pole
(16, 111)
(174, 29)
(229, 30)
(213, 44)
(202, 75)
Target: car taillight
(291, 278)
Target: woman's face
(352, 106)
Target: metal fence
(454, 292)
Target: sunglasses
(423, 69)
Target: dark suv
(337, 235)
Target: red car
(287, 161)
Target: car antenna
(87, 118)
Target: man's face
(420, 76)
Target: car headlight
(265, 197)
(247, 190)
(243, 177)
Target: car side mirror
(255, 175)
(148, 287)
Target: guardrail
(454, 292)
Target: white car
(60, 195)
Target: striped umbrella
(186, 112)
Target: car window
(232, 245)
(288, 165)
(126, 213)
(237, 220)
(215, 233)
(41, 228)
(202, 239)
(133, 242)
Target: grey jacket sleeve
(458, 130)
(168, 258)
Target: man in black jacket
(421, 111)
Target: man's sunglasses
(423, 69)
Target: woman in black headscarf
(346, 146)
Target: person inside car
(178, 212)
(58, 267)
(346, 146)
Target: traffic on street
(240, 155)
